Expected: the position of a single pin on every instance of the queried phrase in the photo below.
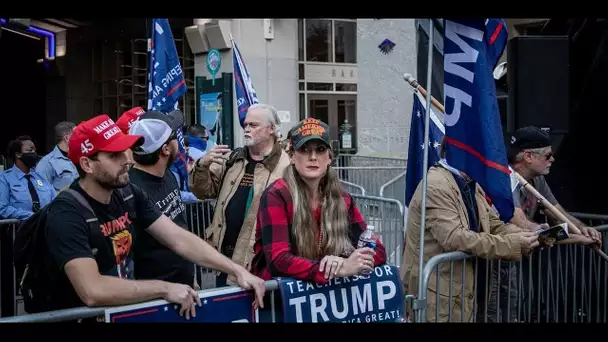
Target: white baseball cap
(156, 128)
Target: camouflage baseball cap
(307, 130)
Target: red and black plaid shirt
(274, 255)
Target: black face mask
(29, 159)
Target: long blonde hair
(334, 217)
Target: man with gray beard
(237, 179)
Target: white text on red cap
(104, 125)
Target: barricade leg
(502, 294)
(272, 311)
(199, 215)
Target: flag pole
(414, 83)
(425, 162)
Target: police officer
(56, 168)
(22, 190)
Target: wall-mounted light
(269, 28)
(21, 33)
(50, 38)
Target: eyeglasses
(547, 156)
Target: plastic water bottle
(365, 240)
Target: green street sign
(214, 62)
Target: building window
(327, 40)
(302, 106)
(319, 109)
(345, 40)
(327, 74)
(320, 86)
(346, 87)
(318, 40)
(301, 40)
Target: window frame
(333, 39)
(301, 27)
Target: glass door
(340, 113)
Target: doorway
(339, 111)
(24, 89)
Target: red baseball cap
(99, 134)
(127, 119)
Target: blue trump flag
(416, 144)
(474, 140)
(245, 94)
(496, 31)
(167, 85)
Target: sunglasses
(546, 156)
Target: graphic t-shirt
(152, 259)
(527, 202)
(69, 236)
(236, 210)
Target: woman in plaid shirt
(307, 226)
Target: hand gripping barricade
(377, 297)
(374, 298)
(564, 283)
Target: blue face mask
(198, 143)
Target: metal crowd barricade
(564, 283)
(386, 215)
(595, 220)
(394, 188)
(352, 188)
(353, 160)
(371, 178)
(376, 176)
(79, 313)
(199, 215)
(98, 313)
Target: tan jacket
(205, 184)
(447, 230)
